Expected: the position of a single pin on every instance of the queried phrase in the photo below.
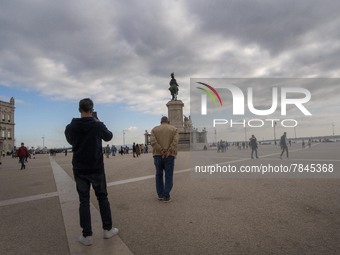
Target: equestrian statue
(173, 87)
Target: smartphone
(94, 115)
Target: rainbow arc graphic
(212, 93)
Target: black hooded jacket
(86, 135)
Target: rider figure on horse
(173, 87)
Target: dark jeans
(284, 148)
(22, 161)
(252, 152)
(98, 181)
(164, 165)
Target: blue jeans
(164, 165)
(83, 183)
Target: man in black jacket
(284, 144)
(253, 145)
(85, 134)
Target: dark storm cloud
(116, 49)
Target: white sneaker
(110, 233)
(85, 240)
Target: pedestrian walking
(164, 140)
(107, 151)
(85, 134)
(284, 144)
(253, 146)
(134, 150)
(113, 150)
(138, 150)
(23, 154)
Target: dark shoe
(166, 199)
(160, 198)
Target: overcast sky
(122, 52)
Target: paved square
(208, 215)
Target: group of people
(85, 134)
(222, 146)
(124, 150)
(309, 143)
(137, 149)
(283, 144)
(110, 150)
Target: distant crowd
(137, 150)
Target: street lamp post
(124, 136)
(245, 134)
(43, 138)
(333, 125)
(274, 133)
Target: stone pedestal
(189, 138)
(175, 114)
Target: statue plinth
(189, 137)
(175, 114)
